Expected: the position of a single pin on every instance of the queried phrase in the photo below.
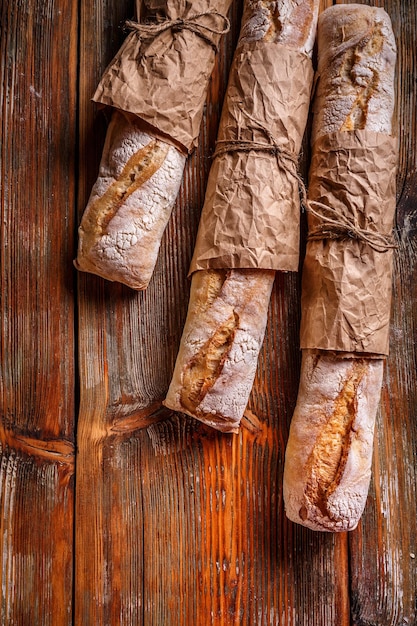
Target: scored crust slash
(327, 461)
(141, 166)
(205, 367)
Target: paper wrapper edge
(346, 285)
(163, 82)
(251, 213)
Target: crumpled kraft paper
(250, 217)
(164, 80)
(346, 284)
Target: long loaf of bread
(228, 309)
(130, 203)
(329, 452)
(156, 86)
(219, 348)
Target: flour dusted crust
(329, 451)
(228, 309)
(289, 22)
(356, 65)
(130, 204)
(219, 349)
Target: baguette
(156, 86)
(228, 308)
(130, 203)
(220, 344)
(329, 451)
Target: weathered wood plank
(38, 64)
(108, 561)
(383, 548)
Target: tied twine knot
(333, 224)
(192, 23)
(336, 225)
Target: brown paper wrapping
(164, 80)
(250, 217)
(346, 284)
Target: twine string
(286, 159)
(335, 225)
(192, 23)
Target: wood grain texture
(383, 548)
(175, 524)
(38, 63)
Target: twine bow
(335, 225)
(192, 23)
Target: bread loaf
(220, 344)
(288, 22)
(228, 309)
(329, 452)
(156, 85)
(355, 87)
(130, 203)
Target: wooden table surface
(114, 511)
